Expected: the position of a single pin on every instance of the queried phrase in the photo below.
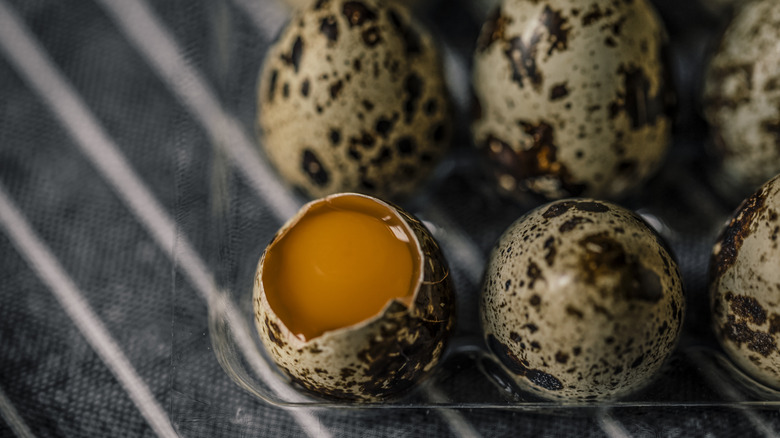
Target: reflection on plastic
(229, 334)
(241, 358)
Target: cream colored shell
(745, 285)
(742, 96)
(379, 358)
(572, 96)
(581, 301)
(352, 97)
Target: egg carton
(686, 203)
(697, 374)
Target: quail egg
(581, 301)
(745, 285)
(353, 299)
(572, 98)
(352, 97)
(742, 96)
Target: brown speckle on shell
(330, 28)
(405, 146)
(293, 58)
(272, 84)
(642, 106)
(549, 246)
(747, 307)
(520, 367)
(557, 29)
(384, 126)
(572, 224)
(537, 162)
(274, 334)
(413, 87)
(312, 166)
(559, 91)
(305, 88)
(593, 15)
(358, 13)
(335, 89)
(522, 57)
(731, 238)
(335, 136)
(371, 36)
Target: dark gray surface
(60, 386)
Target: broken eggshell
(581, 301)
(381, 357)
(572, 98)
(745, 285)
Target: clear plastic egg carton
(464, 212)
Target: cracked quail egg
(572, 98)
(742, 96)
(581, 301)
(745, 285)
(352, 97)
(353, 299)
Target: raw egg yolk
(339, 265)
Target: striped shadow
(46, 266)
(711, 374)
(155, 43)
(462, 251)
(39, 72)
(11, 416)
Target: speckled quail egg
(742, 96)
(745, 285)
(352, 97)
(572, 98)
(581, 301)
(353, 299)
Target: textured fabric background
(105, 283)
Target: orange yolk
(339, 265)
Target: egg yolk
(339, 265)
